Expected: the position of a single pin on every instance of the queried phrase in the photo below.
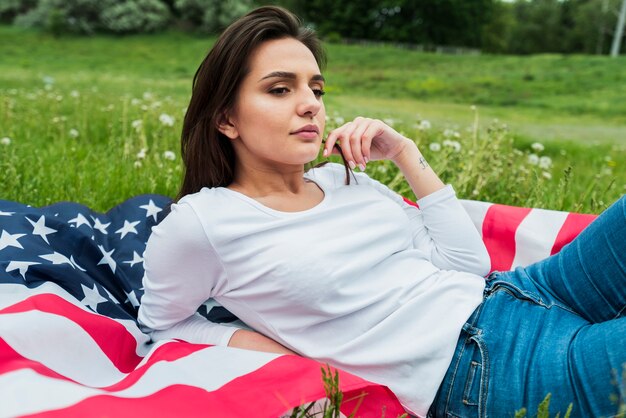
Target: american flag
(70, 346)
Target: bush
(9, 9)
(136, 16)
(211, 16)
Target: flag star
(107, 259)
(10, 240)
(92, 297)
(111, 297)
(100, 226)
(79, 220)
(132, 298)
(6, 213)
(40, 228)
(21, 266)
(57, 258)
(151, 210)
(76, 265)
(127, 228)
(136, 259)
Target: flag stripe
(536, 233)
(112, 337)
(573, 225)
(499, 228)
(244, 396)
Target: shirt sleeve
(442, 229)
(182, 271)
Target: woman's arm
(251, 340)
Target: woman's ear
(226, 126)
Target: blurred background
(535, 88)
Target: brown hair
(207, 154)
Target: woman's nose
(309, 103)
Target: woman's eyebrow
(290, 75)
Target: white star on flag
(107, 259)
(127, 228)
(22, 266)
(100, 226)
(151, 209)
(40, 228)
(136, 259)
(92, 297)
(10, 240)
(80, 220)
(132, 298)
(2, 213)
(57, 258)
(111, 297)
(76, 265)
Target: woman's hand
(364, 140)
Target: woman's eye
(279, 91)
(319, 92)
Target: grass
(70, 108)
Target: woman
(339, 268)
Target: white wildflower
(142, 153)
(48, 80)
(533, 159)
(169, 155)
(137, 164)
(339, 120)
(455, 145)
(75, 94)
(537, 146)
(5, 141)
(137, 124)
(166, 119)
(545, 162)
(144, 107)
(155, 105)
(448, 133)
(435, 146)
(547, 175)
(424, 125)
(147, 96)
(74, 133)
(475, 192)
(56, 119)
(59, 98)
(134, 101)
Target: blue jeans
(557, 326)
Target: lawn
(97, 120)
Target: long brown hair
(207, 154)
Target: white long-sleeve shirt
(362, 281)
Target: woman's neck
(256, 181)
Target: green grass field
(76, 113)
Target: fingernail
(325, 153)
(362, 167)
(367, 160)
(351, 164)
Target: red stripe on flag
(573, 225)
(112, 337)
(499, 227)
(281, 384)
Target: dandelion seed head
(74, 133)
(435, 146)
(546, 175)
(148, 95)
(166, 119)
(169, 155)
(142, 153)
(5, 141)
(137, 164)
(75, 94)
(537, 146)
(533, 159)
(137, 124)
(545, 162)
(135, 102)
(424, 125)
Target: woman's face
(279, 116)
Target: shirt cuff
(440, 195)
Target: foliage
(134, 16)
(211, 16)
(543, 410)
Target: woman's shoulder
(331, 175)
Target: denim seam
(484, 377)
(526, 295)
